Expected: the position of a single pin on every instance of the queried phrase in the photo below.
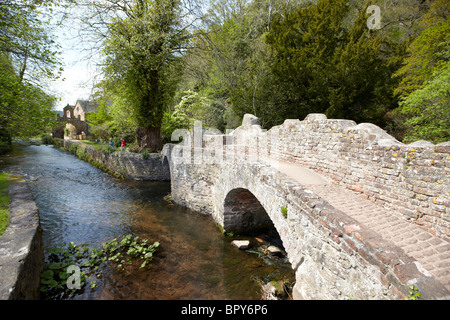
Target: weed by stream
(118, 253)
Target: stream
(80, 203)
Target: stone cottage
(73, 120)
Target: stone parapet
(413, 179)
(21, 247)
(121, 163)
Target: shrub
(73, 149)
(145, 155)
(284, 212)
(47, 139)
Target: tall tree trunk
(24, 66)
(5, 138)
(149, 138)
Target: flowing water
(79, 203)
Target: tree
(100, 121)
(193, 106)
(228, 60)
(141, 62)
(424, 88)
(27, 58)
(25, 39)
(323, 63)
(360, 86)
(428, 109)
(427, 51)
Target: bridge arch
(243, 213)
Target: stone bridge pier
(347, 232)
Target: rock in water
(274, 251)
(241, 244)
(275, 288)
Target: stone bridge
(360, 214)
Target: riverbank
(121, 164)
(21, 247)
(4, 202)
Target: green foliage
(106, 149)
(25, 110)
(228, 61)
(424, 90)
(413, 293)
(141, 62)
(28, 57)
(119, 253)
(25, 38)
(145, 155)
(4, 201)
(284, 212)
(193, 106)
(5, 138)
(73, 149)
(276, 59)
(284, 59)
(168, 198)
(429, 50)
(322, 64)
(100, 122)
(111, 120)
(47, 139)
(428, 109)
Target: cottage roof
(87, 106)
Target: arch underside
(244, 214)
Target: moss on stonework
(82, 154)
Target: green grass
(100, 146)
(91, 142)
(4, 202)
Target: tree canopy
(167, 62)
(424, 89)
(320, 65)
(141, 56)
(281, 59)
(28, 56)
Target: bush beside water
(47, 139)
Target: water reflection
(82, 204)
